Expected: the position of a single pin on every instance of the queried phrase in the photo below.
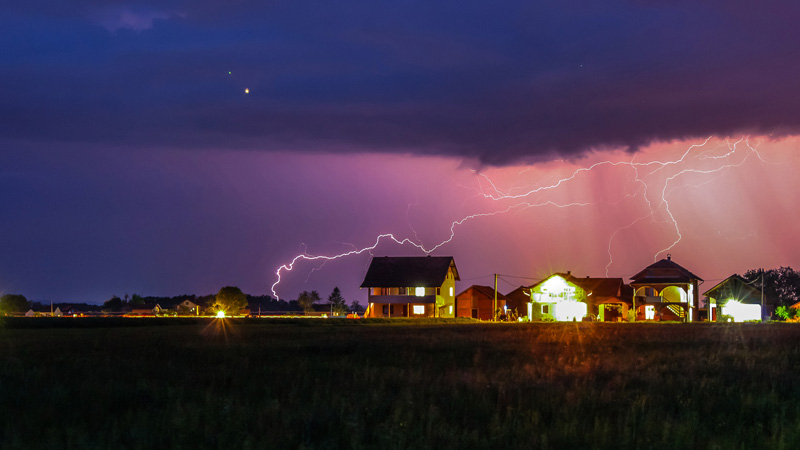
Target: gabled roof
(600, 287)
(409, 271)
(485, 291)
(518, 297)
(522, 293)
(735, 284)
(664, 271)
(566, 276)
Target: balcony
(401, 299)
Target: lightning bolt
(654, 189)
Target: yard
(247, 384)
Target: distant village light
(220, 314)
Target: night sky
(175, 147)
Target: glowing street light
(220, 314)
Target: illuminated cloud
(120, 18)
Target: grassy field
(251, 384)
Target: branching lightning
(654, 181)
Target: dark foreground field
(310, 384)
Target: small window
(451, 291)
(545, 309)
(419, 309)
(386, 310)
(419, 292)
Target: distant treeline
(18, 304)
(254, 302)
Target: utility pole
(494, 309)
(762, 294)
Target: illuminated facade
(477, 302)
(556, 298)
(411, 287)
(564, 297)
(666, 291)
(735, 300)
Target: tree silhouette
(338, 303)
(230, 300)
(307, 299)
(12, 303)
(781, 285)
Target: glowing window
(451, 291)
(451, 309)
(419, 292)
(649, 312)
(419, 309)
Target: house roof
(518, 297)
(601, 287)
(485, 291)
(520, 294)
(409, 271)
(566, 276)
(664, 271)
(736, 284)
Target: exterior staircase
(678, 311)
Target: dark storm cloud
(498, 83)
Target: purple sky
(132, 161)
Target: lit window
(451, 309)
(451, 291)
(419, 309)
(419, 292)
(649, 312)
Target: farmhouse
(558, 298)
(565, 297)
(478, 302)
(44, 313)
(609, 299)
(145, 309)
(517, 300)
(736, 299)
(188, 308)
(665, 290)
(411, 286)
